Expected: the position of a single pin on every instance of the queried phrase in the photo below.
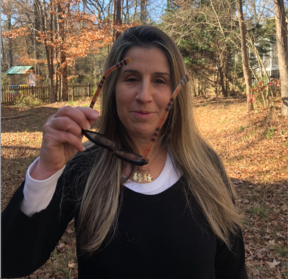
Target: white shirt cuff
(38, 193)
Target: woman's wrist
(41, 173)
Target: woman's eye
(131, 79)
(159, 81)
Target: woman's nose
(144, 93)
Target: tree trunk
(127, 12)
(10, 49)
(118, 17)
(2, 52)
(57, 54)
(282, 50)
(222, 82)
(53, 97)
(135, 10)
(63, 55)
(168, 5)
(245, 61)
(37, 27)
(143, 11)
(50, 69)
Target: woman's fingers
(62, 138)
(53, 137)
(71, 121)
(64, 124)
(57, 148)
(83, 116)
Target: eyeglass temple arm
(183, 82)
(123, 62)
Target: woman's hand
(62, 138)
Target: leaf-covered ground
(253, 147)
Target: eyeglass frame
(142, 159)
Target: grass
(270, 133)
(256, 163)
(282, 251)
(261, 211)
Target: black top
(157, 236)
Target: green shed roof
(18, 70)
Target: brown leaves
(21, 140)
(72, 264)
(273, 264)
(15, 33)
(257, 162)
(255, 272)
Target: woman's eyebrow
(135, 71)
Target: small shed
(23, 70)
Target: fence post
(73, 92)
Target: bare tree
(245, 61)
(10, 47)
(50, 67)
(135, 9)
(61, 15)
(36, 29)
(282, 49)
(143, 16)
(117, 16)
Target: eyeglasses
(124, 155)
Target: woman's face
(143, 91)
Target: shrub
(27, 101)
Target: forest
(229, 47)
(236, 54)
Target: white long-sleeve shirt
(38, 193)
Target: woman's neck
(143, 145)
(157, 158)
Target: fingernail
(94, 114)
(88, 126)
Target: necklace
(147, 177)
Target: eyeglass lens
(107, 143)
(99, 139)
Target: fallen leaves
(255, 272)
(273, 264)
(256, 164)
(72, 264)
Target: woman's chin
(142, 133)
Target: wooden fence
(75, 91)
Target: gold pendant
(140, 177)
(149, 177)
(135, 177)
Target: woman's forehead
(152, 59)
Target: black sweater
(157, 236)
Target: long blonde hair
(202, 168)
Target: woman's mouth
(142, 114)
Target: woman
(182, 224)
